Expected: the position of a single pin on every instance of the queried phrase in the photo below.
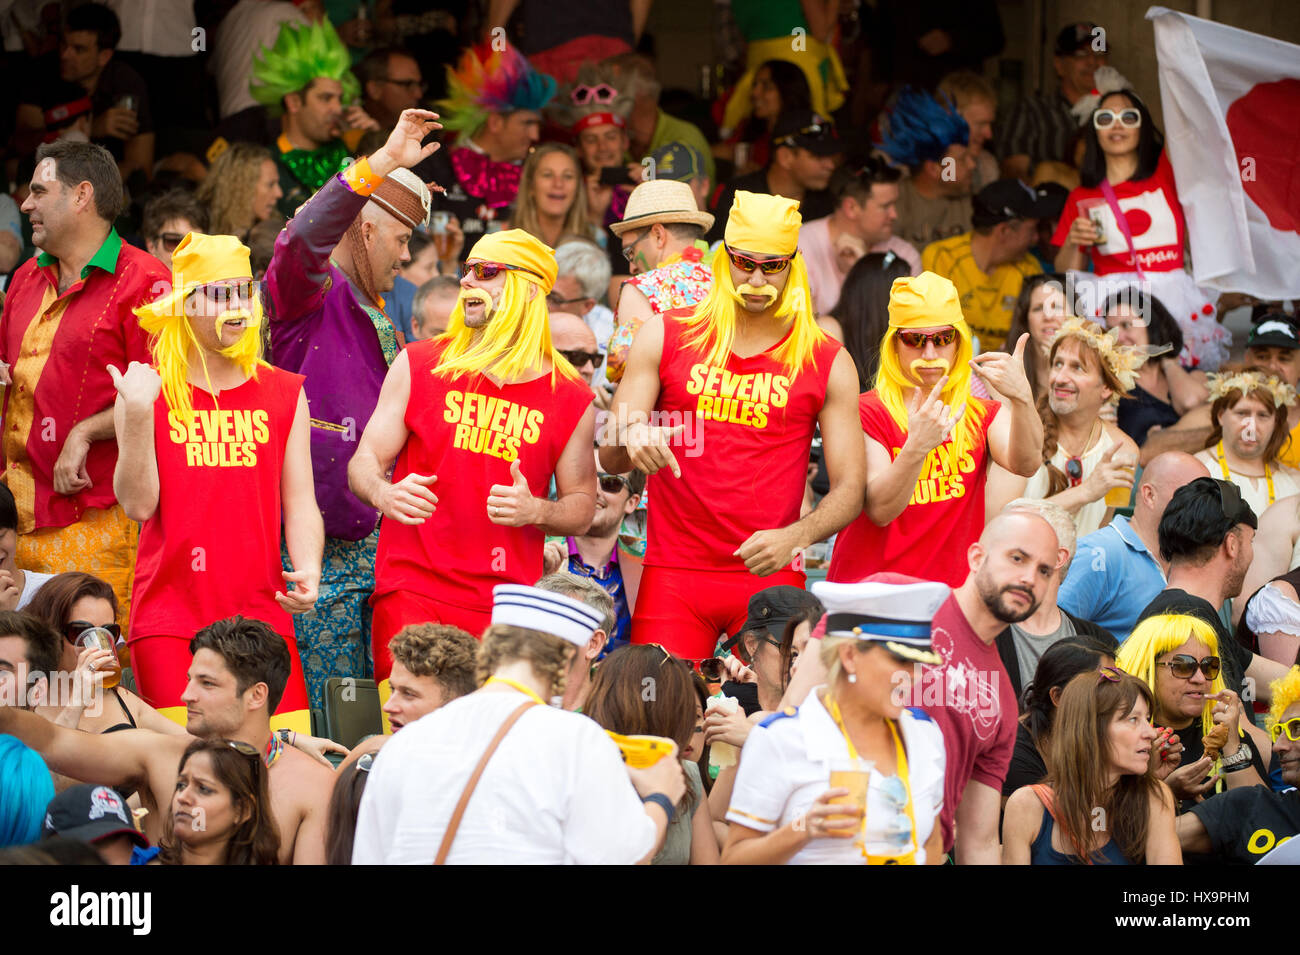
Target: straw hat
(661, 200)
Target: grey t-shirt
(1030, 646)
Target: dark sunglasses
(169, 240)
(941, 339)
(712, 669)
(244, 749)
(1234, 508)
(225, 291)
(555, 301)
(612, 483)
(486, 271)
(1184, 666)
(579, 358)
(1074, 470)
(75, 628)
(768, 266)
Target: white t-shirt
(32, 584)
(785, 766)
(555, 792)
(824, 277)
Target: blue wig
(25, 791)
(920, 129)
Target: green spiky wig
(299, 55)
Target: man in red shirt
(749, 376)
(214, 424)
(929, 440)
(67, 313)
(474, 424)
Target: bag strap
(450, 835)
(1048, 799)
(1112, 200)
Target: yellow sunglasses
(1292, 727)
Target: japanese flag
(1231, 101)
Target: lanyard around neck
(1227, 475)
(517, 685)
(908, 858)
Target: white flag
(1231, 101)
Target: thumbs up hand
(513, 504)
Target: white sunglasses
(1128, 118)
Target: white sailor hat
(534, 609)
(889, 609)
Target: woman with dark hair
(618, 701)
(1059, 664)
(345, 800)
(863, 310)
(221, 810)
(1124, 163)
(1101, 803)
(1039, 310)
(70, 604)
(778, 86)
(1165, 390)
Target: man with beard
(235, 679)
(751, 376)
(213, 423)
(324, 300)
(970, 695)
(474, 424)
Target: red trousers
(395, 610)
(686, 610)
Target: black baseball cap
(771, 609)
(1274, 330)
(1076, 36)
(1008, 199)
(807, 130)
(89, 813)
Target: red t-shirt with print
(1154, 216)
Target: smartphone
(615, 176)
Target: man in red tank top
(739, 384)
(474, 423)
(929, 440)
(214, 451)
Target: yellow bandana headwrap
(929, 301)
(763, 224)
(517, 337)
(197, 261)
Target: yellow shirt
(987, 301)
(1290, 453)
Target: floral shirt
(680, 282)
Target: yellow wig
(711, 328)
(1160, 634)
(929, 301)
(197, 261)
(1286, 693)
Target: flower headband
(1248, 381)
(1122, 360)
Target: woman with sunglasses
(807, 775)
(552, 201)
(1177, 656)
(221, 808)
(1125, 220)
(70, 604)
(1243, 825)
(1100, 804)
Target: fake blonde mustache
(920, 363)
(468, 295)
(766, 291)
(243, 315)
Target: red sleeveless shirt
(944, 516)
(744, 453)
(467, 431)
(212, 548)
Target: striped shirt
(1040, 127)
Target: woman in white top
(783, 808)
(1249, 421)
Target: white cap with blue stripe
(895, 615)
(532, 609)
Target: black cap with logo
(807, 130)
(1008, 199)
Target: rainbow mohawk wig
(920, 129)
(491, 81)
(299, 55)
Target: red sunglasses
(486, 271)
(768, 266)
(941, 339)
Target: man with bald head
(1117, 570)
(576, 342)
(969, 695)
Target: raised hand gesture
(1005, 373)
(403, 148)
(929, 422)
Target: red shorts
(161, 666)
(686, 610)
(395, 610)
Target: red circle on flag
(1262, 124)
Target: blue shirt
(1112, 579)
(400, 303)
(609, 577)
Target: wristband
(664, 803)
(360, 178)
